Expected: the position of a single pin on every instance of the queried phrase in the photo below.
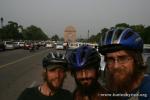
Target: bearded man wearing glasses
(125, 68)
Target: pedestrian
(125, 68)
(54, 67)
(85, 63)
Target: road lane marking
(2, 66)
(32, 84)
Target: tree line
(141, 29)
(16, 32)
(13, 31)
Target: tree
(146, 35)
(138, 28)
(55, 38)
(10, 31)
(122, 25)
(34, 33)
(96, 38)
(13, 30)
(104, 30)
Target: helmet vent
(128, 35)
(117, 35)
(110, 33)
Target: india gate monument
(70, 34)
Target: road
(20, 69)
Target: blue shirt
(143, 92)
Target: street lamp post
(2, 19)
(88, 35)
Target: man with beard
(54, 67)
(125, 67)
(84, 63)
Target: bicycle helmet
(83, 57)
(120, 39)
(53, 60)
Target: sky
(53, 16)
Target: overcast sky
(52, 16)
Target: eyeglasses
(119, 59)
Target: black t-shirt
(35, 94)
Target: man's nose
(58, 73)
(116, 64)
(84, 73)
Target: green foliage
(16, 32)
(141, 29)
(146, 35)
(121, 25)
(55, 38)
(10, 31)
(96, 38)
(34, 33)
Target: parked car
(16, 44)
(27, 45)
(21, 44)
(59, 46)
(73, 45)
(148, 64)
(9, 45)
(146, 55)
(49, 45)
(146, 52)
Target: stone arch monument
(70, 34)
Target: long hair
(140, 66)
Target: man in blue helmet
(125, 68)
(84, 63)
(54, 67)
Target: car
(146, 52)
(73, 45)
(27, 45)
(59, 46)
(146, 55)
(148, 64)
(49, 45)
(21, 44)
(16, 45)
(9, 45)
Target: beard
(119, 80)
(86, 89)
(53, 86)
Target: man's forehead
(54, 67)
(117, 53)
(87, 68)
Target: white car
(59, 46)
(146, 56)
(146, 52)
(49, 45)
(21, 44)
(9, 45)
